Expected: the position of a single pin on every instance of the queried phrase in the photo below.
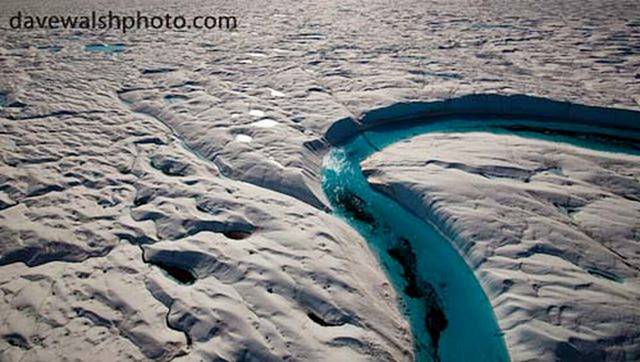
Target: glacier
(136, 222)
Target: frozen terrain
(160, 191)
(551, 230)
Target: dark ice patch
(354, 206)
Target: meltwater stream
(450, 316)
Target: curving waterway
(451, 318)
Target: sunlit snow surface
(265, 123)
(243, 138)
(551, 228)
(111, 176)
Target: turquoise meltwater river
(450, 315)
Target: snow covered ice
(161, 191)
(551, 230)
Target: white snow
(243, 138)
(549, 228)
(275, 93)
(265, 123)
(256, 113)
(86, 183)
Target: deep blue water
(439, 279)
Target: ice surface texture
(105, 154)
(495, 206)
(451, 317)
(551, 230)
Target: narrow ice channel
(450, 315)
